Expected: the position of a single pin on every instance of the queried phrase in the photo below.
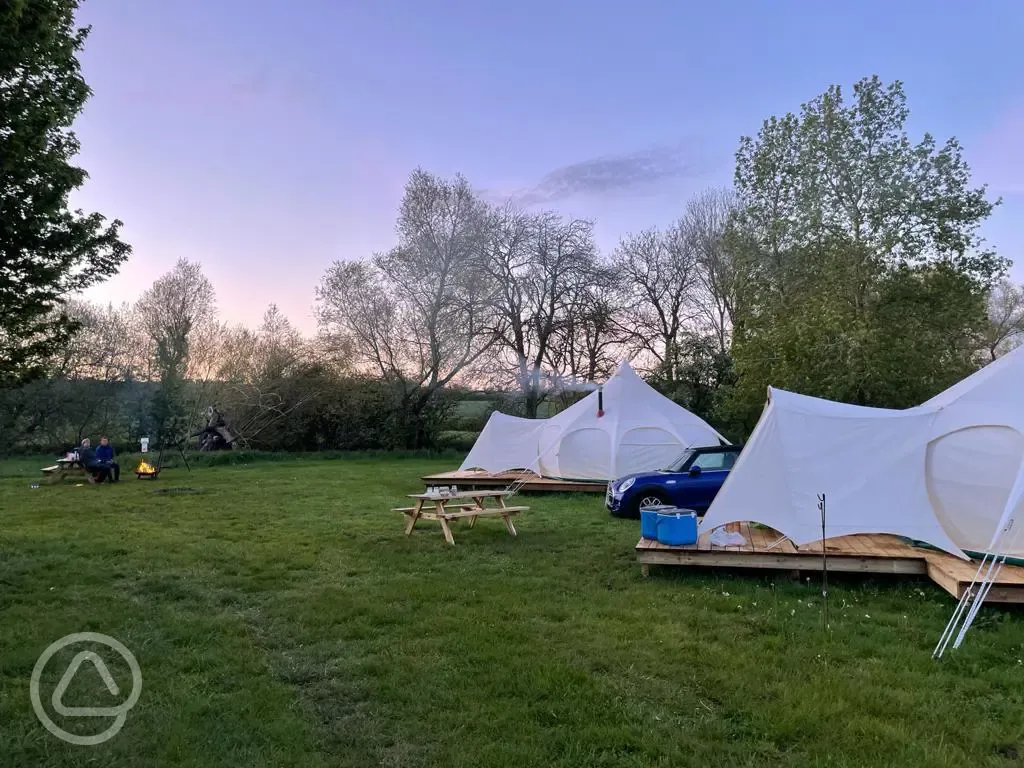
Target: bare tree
(1006, 318)
(279, 346)
(538, 263)
(661, 271)
(420, 314)
(262, 375)
(594, 334)
(108, 347)
(704, 224)
(89, 374)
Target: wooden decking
(535, 483)
(851, 554)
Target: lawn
(281, 618)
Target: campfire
(146, 470)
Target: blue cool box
(677, 529)
(649, 520)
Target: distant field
(281, 618)
(481, 408)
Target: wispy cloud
(614, 174)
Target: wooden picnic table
(63, 467)
(456, 506)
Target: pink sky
(266, 143)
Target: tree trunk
(531, 404)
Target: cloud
(613, 174)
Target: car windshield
(676, 464)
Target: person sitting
(97, 471)
(105, 455)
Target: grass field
(281, 618)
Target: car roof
(718, 448)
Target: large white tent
(949, 472)
(635, 429)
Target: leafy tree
(862, 276)
(179, 315)
(46, 250)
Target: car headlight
(626, 484)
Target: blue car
(690, 482)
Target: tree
(857, 254)
(179, 315)
(47, 252)
(420, 314)
(1005, 318)
(705, 224)
(660, 269)
(593, 335)
(539, 265)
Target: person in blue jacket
(105, 456)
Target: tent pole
(951, 625)
(997, 550)
(987, 581)
(958, 613)
(963, 611)
(824, 560)
(979, 600)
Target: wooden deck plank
(743, 529)
(891, 545)
(784, 546)
(770, 560)
(877, 544)
(842, 545)
(759, 541)
(748, 543)
(874, 553)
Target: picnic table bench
(456, 506)
(64, 467)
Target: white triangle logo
(65, 681)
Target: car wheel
(647, 499)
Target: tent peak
(625, 369)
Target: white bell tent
(625, 427)
(949, 472)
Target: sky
(267, 139)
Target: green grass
(281, 618)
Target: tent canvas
(506, 442)
(948, 472)
(640, 430)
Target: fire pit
(146, 471)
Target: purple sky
(267, 139)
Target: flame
(145, 469)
